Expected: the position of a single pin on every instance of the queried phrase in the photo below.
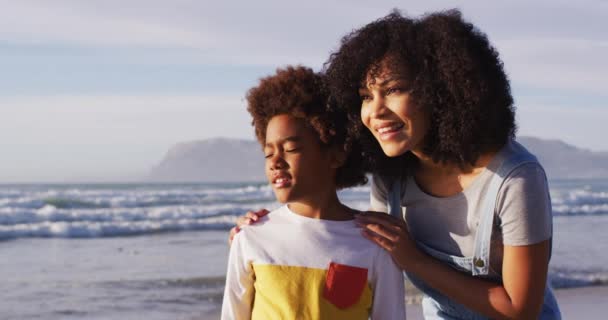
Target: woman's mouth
(389, 131)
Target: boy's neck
(328, 208)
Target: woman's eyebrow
(391, 79)
(382, 83)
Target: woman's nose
(377, 106)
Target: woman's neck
(447, 179)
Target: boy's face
(297, 166)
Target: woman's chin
(393, 150)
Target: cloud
(535, 38)
(228, 33)
(110, 85)
(99, 119)
(578, 124)
(73, 22)
(564, 64)
(71, 137)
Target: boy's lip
(281, 179)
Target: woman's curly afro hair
(302, 93)
(456, 77)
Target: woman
(431, 104)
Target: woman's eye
(365, 97)
(394, 90)
(398, 90)
(292, 150)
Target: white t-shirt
(287, 266)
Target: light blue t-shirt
(449, 224)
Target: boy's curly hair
(300, 92)
(455, 75)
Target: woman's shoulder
(514, 159)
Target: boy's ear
(338, 157)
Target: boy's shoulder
(264, 223)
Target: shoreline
(575, 303)
(178, 276)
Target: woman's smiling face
(388, 112)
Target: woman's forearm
(517, 298)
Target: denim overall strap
(438, 306)
(394, 200)
(481, 256)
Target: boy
(307, 259)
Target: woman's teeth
(394, 127)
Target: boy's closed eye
(291, 146)
(292, 149)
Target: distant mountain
(234, 160)
(562, 160)
(212, 160)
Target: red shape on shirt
(344, 284)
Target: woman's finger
(255, 215)
(262, 212)
(243, 221)
(376, 215)
(249, 218)
(381, 241)
(233, 232)
(390, 232)
(383, 219)
(252, 215)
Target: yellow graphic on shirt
(288, 292)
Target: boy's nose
(277, 162)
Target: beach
(165, 276)
(160, 251)
(577, 303)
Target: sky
(99, 90)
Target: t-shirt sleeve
(239, 290)
(388, 289)
(379, 195)
(524, 206)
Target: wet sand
(575, 303)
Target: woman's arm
(524, 271)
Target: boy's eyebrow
(288, 139)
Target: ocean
(159, 251)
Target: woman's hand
(520, 296)
(250, 217)
(391, 234)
